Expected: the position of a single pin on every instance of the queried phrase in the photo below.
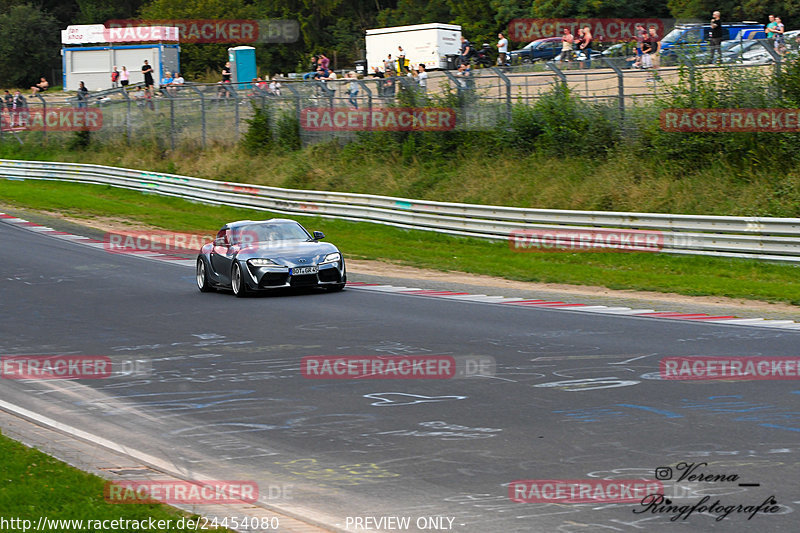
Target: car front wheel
(238, 284)
(202, 277)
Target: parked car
(249, 256)
(538, 50)
(694, 39)
(580, 56)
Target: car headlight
(262, 262)
(331, 258)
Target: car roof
(238, 223)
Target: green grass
(619, 181)
(640, 271)
(35, 485)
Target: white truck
(422, 43)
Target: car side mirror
(318, 235)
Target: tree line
(30, 37)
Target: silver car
(249, 256)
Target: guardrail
(772, 239)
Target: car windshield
(676, 34)
(269, 233)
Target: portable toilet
(243, 63)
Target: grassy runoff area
(713, 276)
(35, 485)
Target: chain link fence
(199, 115)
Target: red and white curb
(603, 309)
(450, 295)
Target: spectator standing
(422, 78)
(586, 45)
(83, 95)
(124, 77)
(312, 73)
(716, 36)
(641, 35)
(40, 87)
(17, 108)
(770, 28)
(115, 78)
(502, 49)
(147, 70)
(566, 45)
(780, 41)
(401, 61)
(653, 43)
(466, 50)
(324, 61)
(226, 72)
(352, 92)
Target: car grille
(304, 281)
(272, 279)
(329, 274)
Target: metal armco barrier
(772, 239)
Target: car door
(222, 253)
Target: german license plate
(302, 271)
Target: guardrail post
(202, 112)
(235, 94)
(44, 116)
(507, 83)
(368, 92)
(769, 46)
(127, 98)
(297, 108)
(561, 76)
(171, 99)
(692, 72)
(620, 88)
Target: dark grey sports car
(249, 256)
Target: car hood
(289, 254)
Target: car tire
(525, 60)
(202, 277)
(238, 284)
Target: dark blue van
(693, 39)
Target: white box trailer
(422, 43)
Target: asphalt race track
(575, 396)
